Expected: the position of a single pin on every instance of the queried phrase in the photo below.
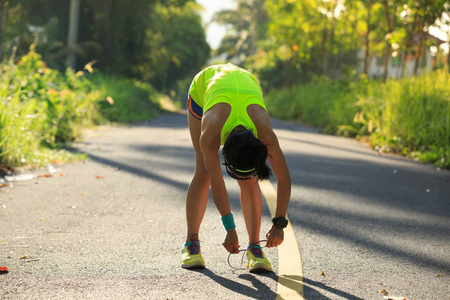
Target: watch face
(281, 222)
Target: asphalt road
(113, 227)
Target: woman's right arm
(210, 147)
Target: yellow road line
(290, 273)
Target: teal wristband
(228, 222)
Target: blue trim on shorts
(194, 108)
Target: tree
(120, 31)
(445, 20)
(143, 39)
(73, 32)
(292, 43)
(331, 43)
(176, 51)
(367, 40)
(426, 12)
(2, 10)
(390, 14)
(246, 26)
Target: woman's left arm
(275, 236)
(281, 171)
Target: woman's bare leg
(197, 193)
(251, 203)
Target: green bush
(410, 116)
(125, 100)
(42, 110)
(325, 104)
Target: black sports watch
(280, 222)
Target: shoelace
(194, 247)
(254, 249)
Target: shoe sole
(193, 266)
(260, 270)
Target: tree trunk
(448, 55)
(351, 45)
(329, 64)
(2, 10)
(419, 52)
(337, 62)
(366, 51)
(73, 33)
(402, 63)
(322, 51)
(330, 51)
(390, 24)
(322, 56)
(387, 53)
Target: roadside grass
(410, 116)
(42, 110)
(125, 100)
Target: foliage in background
(334, 38)
(43, 110)
(246, 26)
(176, 51)
(125, 100)
(407, 116)
(40, 110)
(160, 43)
(138, 46)
(142, 39)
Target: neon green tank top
(228, 84)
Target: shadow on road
(403, 202)
(260, 290)
(309, 288)
(354, 195)
(419, 195)
(143, 172)
(397, 227)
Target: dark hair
(243, 151)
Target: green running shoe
(191, 256)
(257, 261)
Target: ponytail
(244, 152)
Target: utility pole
(73, 33)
